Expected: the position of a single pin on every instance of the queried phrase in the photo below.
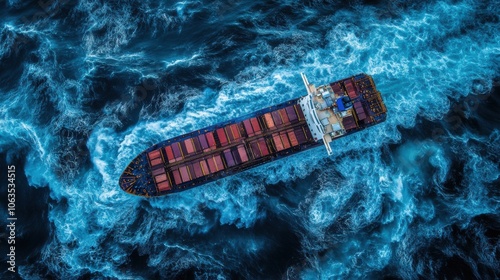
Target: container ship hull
(202, 156)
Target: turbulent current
(86, 85)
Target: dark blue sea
(86, 85)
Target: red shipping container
(263, 147)
(211, 140)
(248, 128)
(235, 129)
(277, 142)
(156, 162)
(184, 174)
(197, 170)
(177, 177)
(204, 167)
(243, 153)
(255, 125)
(189, 146)
(284, 116)
(160, 178)
(218, 161)
(336, 88)
(349, 122)
(293, 140)
(211, 165)
(269, 121)
(165, 186)
(222, 136)
(154, 154)
(284, 139)
(170, 153)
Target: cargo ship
(326, 113)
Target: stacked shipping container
(227, 147)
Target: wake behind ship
(326, 113)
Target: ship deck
(214, 152)
(205, 155)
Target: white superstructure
(322, 115)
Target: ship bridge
(335, 109)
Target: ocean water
(86, 85)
